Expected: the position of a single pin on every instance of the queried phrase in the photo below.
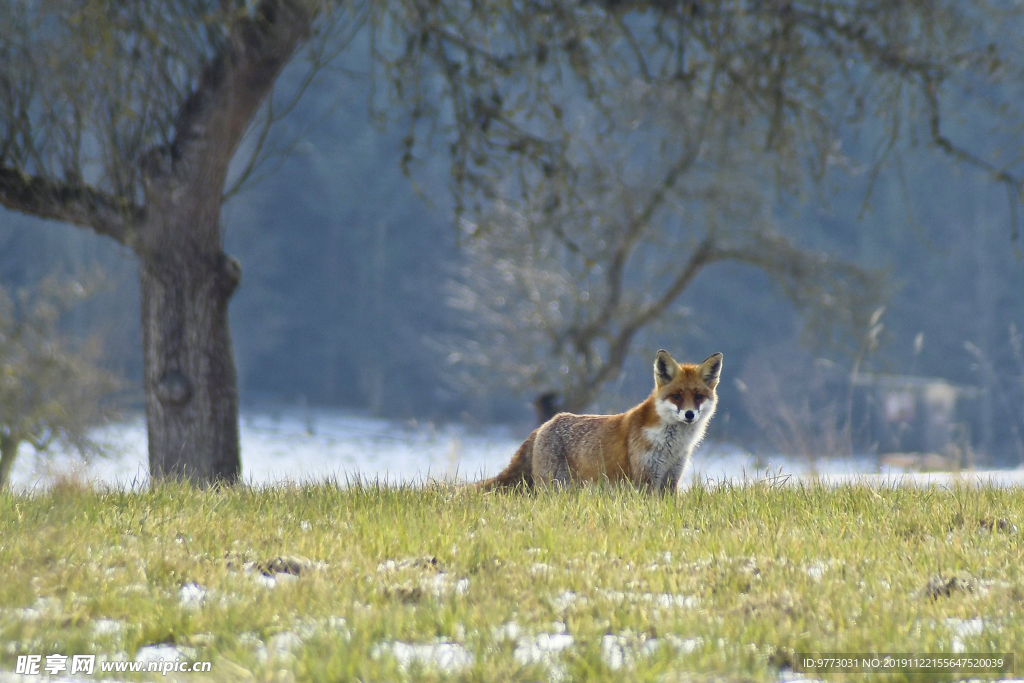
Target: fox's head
(686, 393)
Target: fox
(648, 446)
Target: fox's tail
(518, 473)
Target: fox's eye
(676, 397)
(698, 397)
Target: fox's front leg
(670, 480)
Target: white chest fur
(670, 447)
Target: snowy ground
(300, 446)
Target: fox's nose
(689, 414)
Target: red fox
(648, 446)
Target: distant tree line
(611, 150)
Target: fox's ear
(711, 370)
(665, 368)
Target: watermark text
(914, 662)
(35, 665)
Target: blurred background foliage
(53, 387)
(845, 231)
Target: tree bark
(186, 279)
(8, 451)
(186, 282)
(189, 371)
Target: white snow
(322, 444)
(623, 650)
(964, 628)
(163, 653)
(442, 655)
(665, 600)
(565, 600)
(106, 627)
(542, 648)
(192, 596)
(816, 570)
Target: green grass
(715, 583)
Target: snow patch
(442, 655)
(817, 570)
(964, 628)
(163, 653)
(544, 648)
(624, 649)
(107, 627)
(192, 596)
(508, 631)
(565, 600)
(348, 447)
(664, 600)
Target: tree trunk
(578, 398)
(8, 451)
(186, 279)
(189, 377)
(546, 406)
(189, 370)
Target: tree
(540, 315)
(122, 118)
(51, 388)
(605, 153)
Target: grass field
(439, 583)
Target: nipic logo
(28, 665)
(32, 665)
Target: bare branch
(235, 82)
(79, 204)
(326, 49)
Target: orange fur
(648, 445)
